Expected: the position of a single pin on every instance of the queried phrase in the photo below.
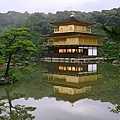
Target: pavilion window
(69, 50)
(92, 67)
(90, 51)
(69, 68)
(80, 50)
(62, 50)
(61, 29)
(94, 50)
(73, 50)
(60, 68)
(73, 68)
(80, 69)
(64, 68)
(70, 28)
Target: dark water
(63, 91)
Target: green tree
(15, 40)
(111, 46)
(39, 25)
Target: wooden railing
(72, 30)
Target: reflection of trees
(30, 83)
(110, 91)
(17, 112)
(116, 109)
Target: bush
(14, 77)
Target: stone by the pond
(116, 62)
(3, 82)
(2, 79)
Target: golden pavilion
(72, 39)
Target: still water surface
(63, 91)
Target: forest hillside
(39, 24)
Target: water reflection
(84, 109)
(67, 91)
(80, 92)
(71, 82)
(10, 112)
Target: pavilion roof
(66, 34)
(72, 85)
(70, 98)
(71, 20)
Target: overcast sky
(47, 6)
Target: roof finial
(72, 14)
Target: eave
(71, 34)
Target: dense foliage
(111, 46)
(39, 24)
(14, 42)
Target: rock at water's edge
(116, 62)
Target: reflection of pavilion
(72, 81)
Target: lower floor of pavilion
(70, 52)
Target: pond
(63, 91)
